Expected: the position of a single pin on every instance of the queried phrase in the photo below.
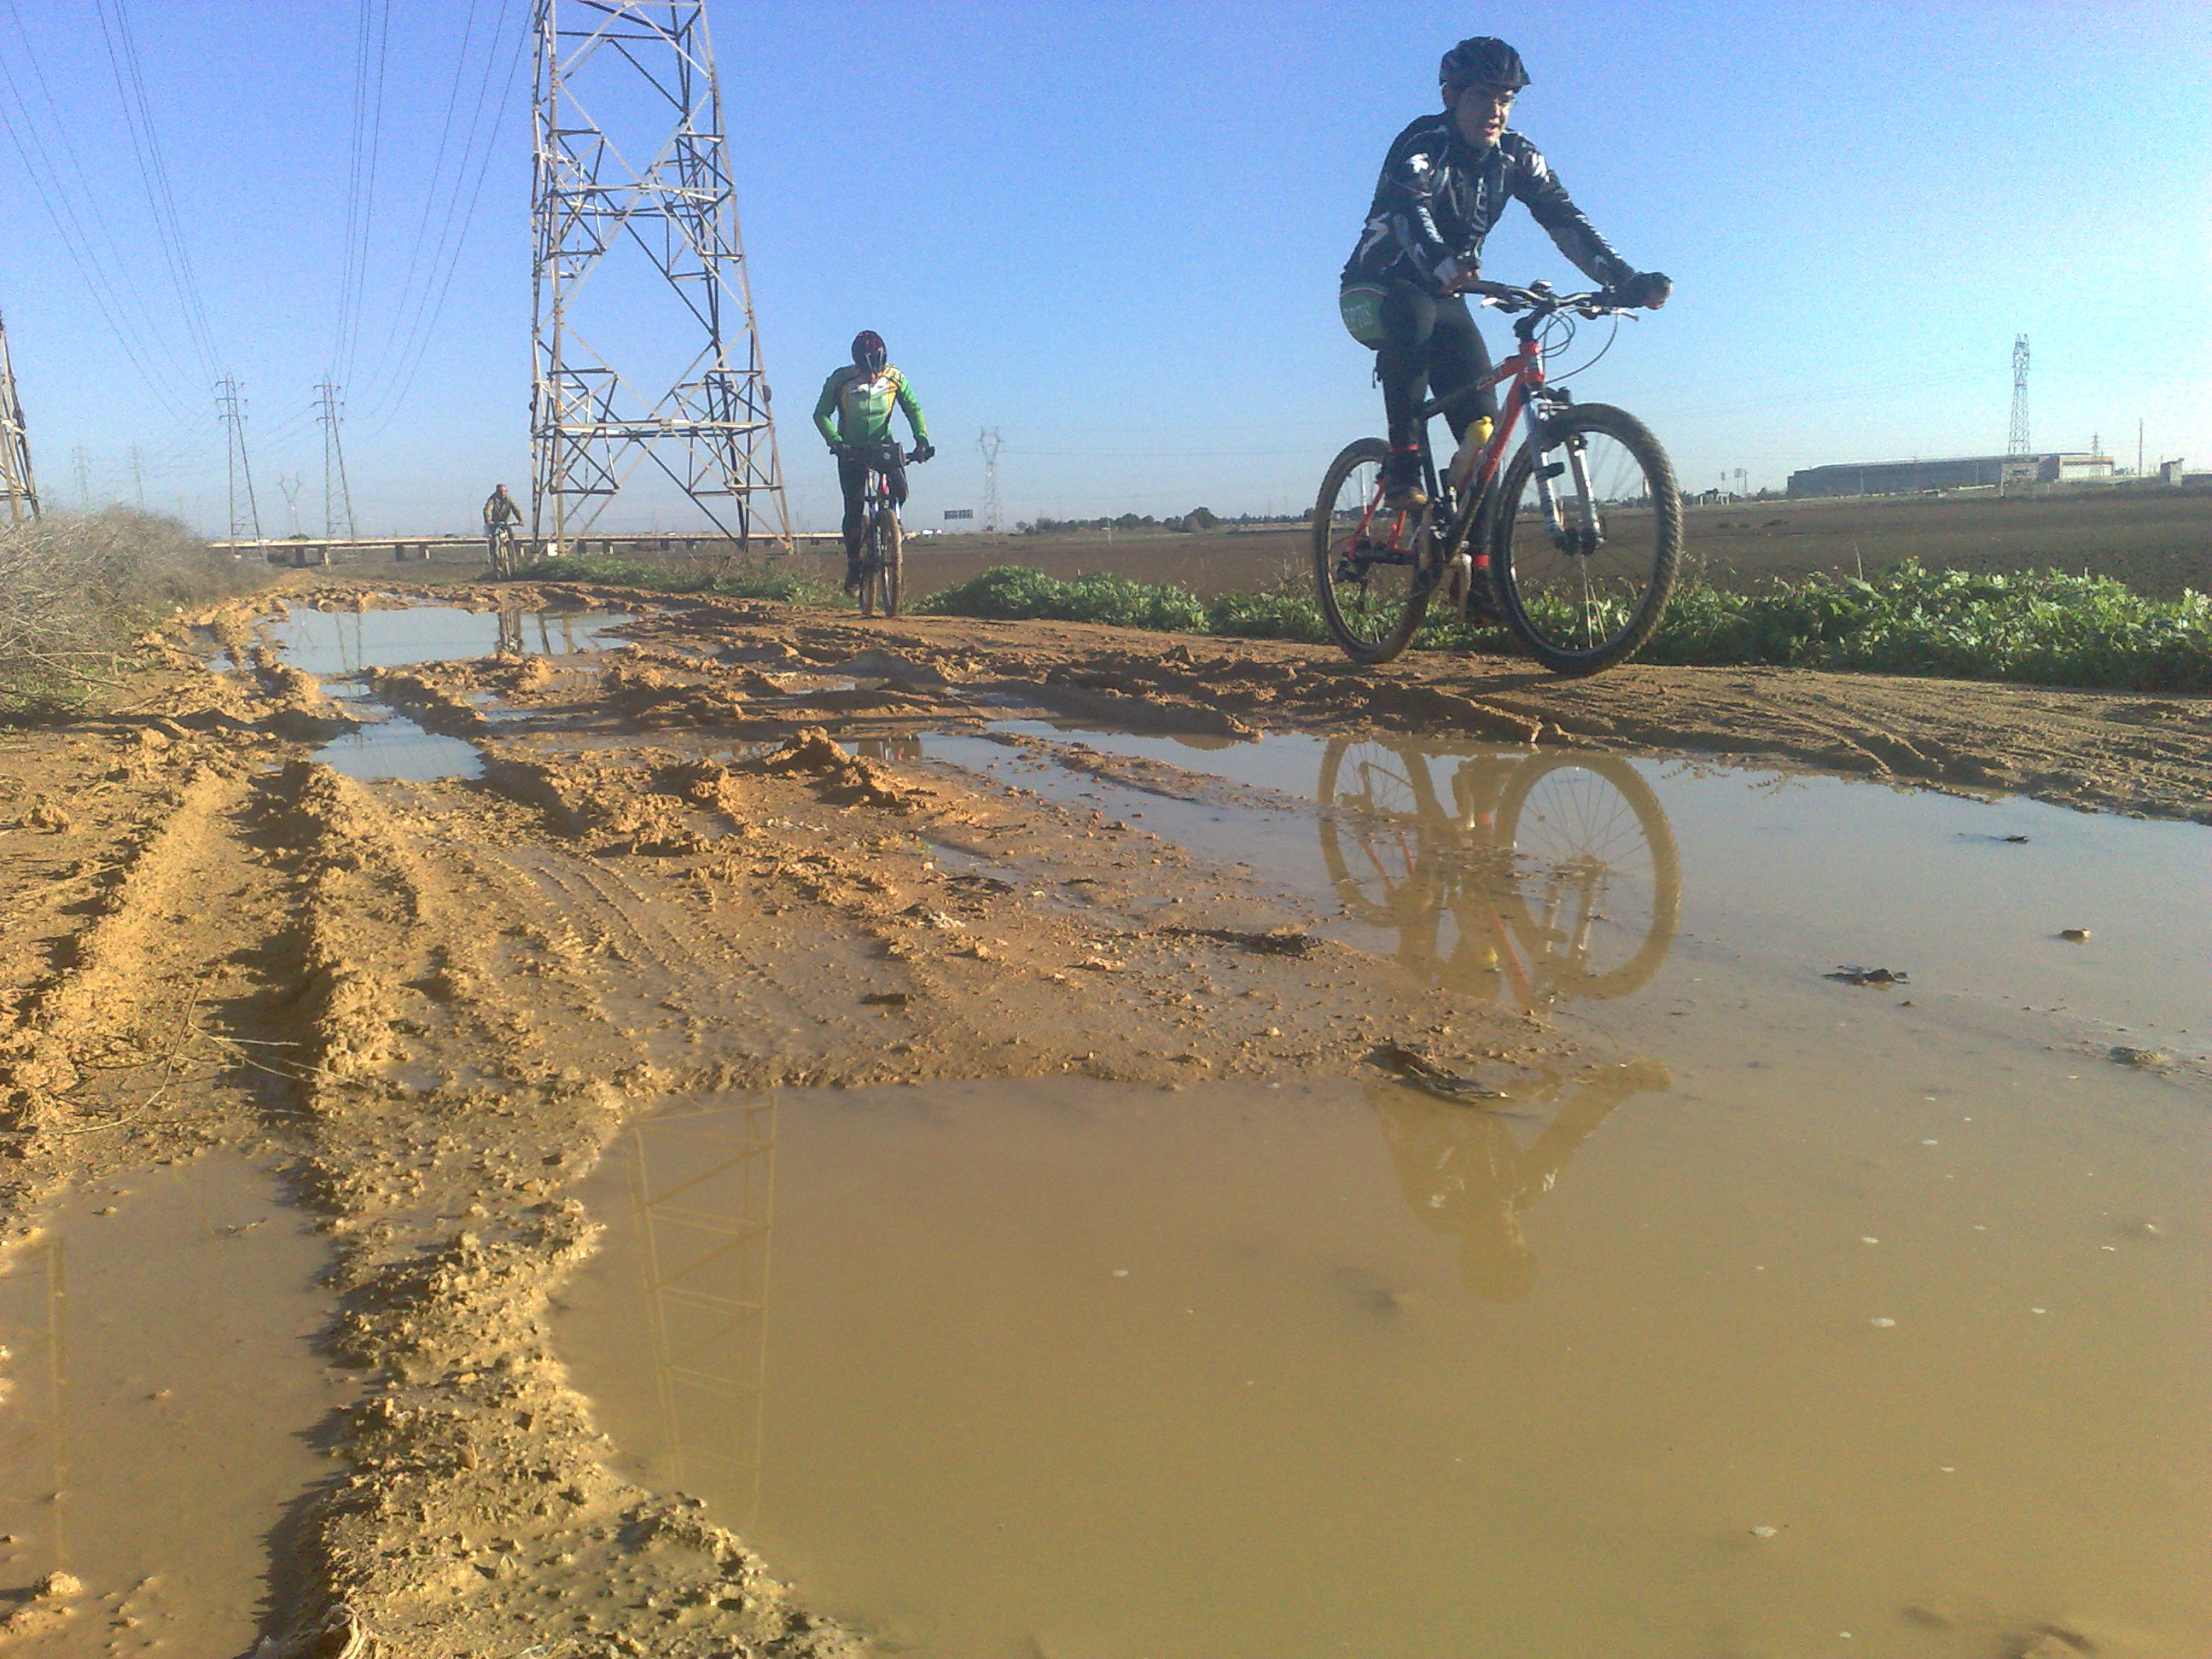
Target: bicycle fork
(1589, 531)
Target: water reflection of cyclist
(860, 398)
(1446, 182)
(1463, 1172)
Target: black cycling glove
(924, 450)
(1648, 289)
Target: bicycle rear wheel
(1366, 559)
(1588, 594)
(872, 560)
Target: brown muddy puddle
(1082, 1370)
(162, 1399)
(1814, 1318)
(333, 642)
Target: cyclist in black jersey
(1445, 182)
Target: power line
(153, 176)
(114, 293)
(451, 243)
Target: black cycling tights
(1425, 339)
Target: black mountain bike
(1572, 543)
(881, 542)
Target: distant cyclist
(501, 515)
(1446, 182)
(862, 398)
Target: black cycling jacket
(1439, 196)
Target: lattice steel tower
(633, 192)
(2016, 442)
(16, 483)
(232, 408)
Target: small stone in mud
(2075, 935)
(57, 1586)
(2142, 1058)
(1766, 1532)
(887, 999)
(1870, 976)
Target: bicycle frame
(1522, 374)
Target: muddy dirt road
(351, 948)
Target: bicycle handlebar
(1598, 302)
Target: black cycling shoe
(852, 577)
(1401, 482)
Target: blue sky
(1113, 234)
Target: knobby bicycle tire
(1535, 630)
(893, 553)
(1370, 649)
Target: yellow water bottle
(1470, 450)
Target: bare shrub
(74, 589)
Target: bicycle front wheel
(1366, 560)
(1586, 591)
(891, 549)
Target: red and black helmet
(1481, 60)
(868, 351)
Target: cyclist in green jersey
(862, 398)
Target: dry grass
(75, 589)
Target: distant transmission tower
(233, 411)
(16, 480)
(83, 479)
(988, 442)
(138, 478)
(2016, 442)
(337, 493)
(290, 485)
(633, 190)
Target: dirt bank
(2110, 750)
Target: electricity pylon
(988, 442)
(16, 480)
(643, 206)
(2016, 440)
(337, 493)
(2018, 469)
(233, 411)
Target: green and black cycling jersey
(855, 407)
(1439, 196)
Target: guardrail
(305, 552)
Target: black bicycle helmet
(868, 351)
(1481, 60)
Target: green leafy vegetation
(2044, 628)
(75, 589)
(1014, 593)
(741, 578)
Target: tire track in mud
(478, 1513)
(102, 994)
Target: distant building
(1905, 477)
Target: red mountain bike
(1572, 543)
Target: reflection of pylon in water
(703, 1231)
(33, 1428)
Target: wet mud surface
(727, 853)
